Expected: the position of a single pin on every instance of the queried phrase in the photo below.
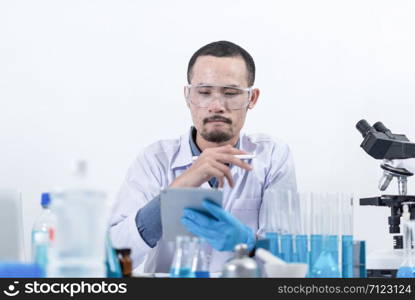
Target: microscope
(393, 149)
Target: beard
(217, 135)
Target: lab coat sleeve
(281, 176)
(140, 186)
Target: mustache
(217, 118)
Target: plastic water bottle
(81, 230)
(43, 234)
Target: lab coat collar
(184, 153)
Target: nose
(217, 104)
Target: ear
(254, 98)
(185, 97)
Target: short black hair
(224, 49)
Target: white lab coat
(160, 163)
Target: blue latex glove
(221, 230)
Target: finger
(226, 171)
(198, 218)
(217, 211)
(229, 149)
(198, 230)
(226, 158)
(214, 170)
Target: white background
(102, 79)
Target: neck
(203, 144)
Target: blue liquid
(181, 273)
(347, 256)
(316, 248)
(406, 272)
(301, 251)
(325, 266)
(202, 274)
(287, 247)
(333, 246)
(273, 243)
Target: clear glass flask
(201, 257)
(182, 261)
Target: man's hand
(220, 229)
(211, 163)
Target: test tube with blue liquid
(316, 236)
(346, 204)
(301, 241)
(272, 221)
(326, 265)
(288, 200)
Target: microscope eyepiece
(363, 127)
(381, 128)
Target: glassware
(327, 264)
(182, 261)
(201, 257)
(346, 205)
(79, 248)
(407, 268)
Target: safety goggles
(231, 97)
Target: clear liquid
(181, 273)
(347, 256)
(40, 248)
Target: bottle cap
(45, 201)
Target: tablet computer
(174, 200)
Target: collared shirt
(159, 164)
(213, 182)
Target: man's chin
(216, 135)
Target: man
(220, 92)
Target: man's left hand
(221, 230)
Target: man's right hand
(211, 163)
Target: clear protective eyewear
(231, 97)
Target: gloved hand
(221, 230)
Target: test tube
(325, 264)
(347, 235)
(271, 221)
(288, 210)
(304, 224)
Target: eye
(231, 92)
(204, 91)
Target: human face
(217, 123)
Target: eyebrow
(227, 85)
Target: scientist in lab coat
(219, 94)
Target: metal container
(241, 266)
